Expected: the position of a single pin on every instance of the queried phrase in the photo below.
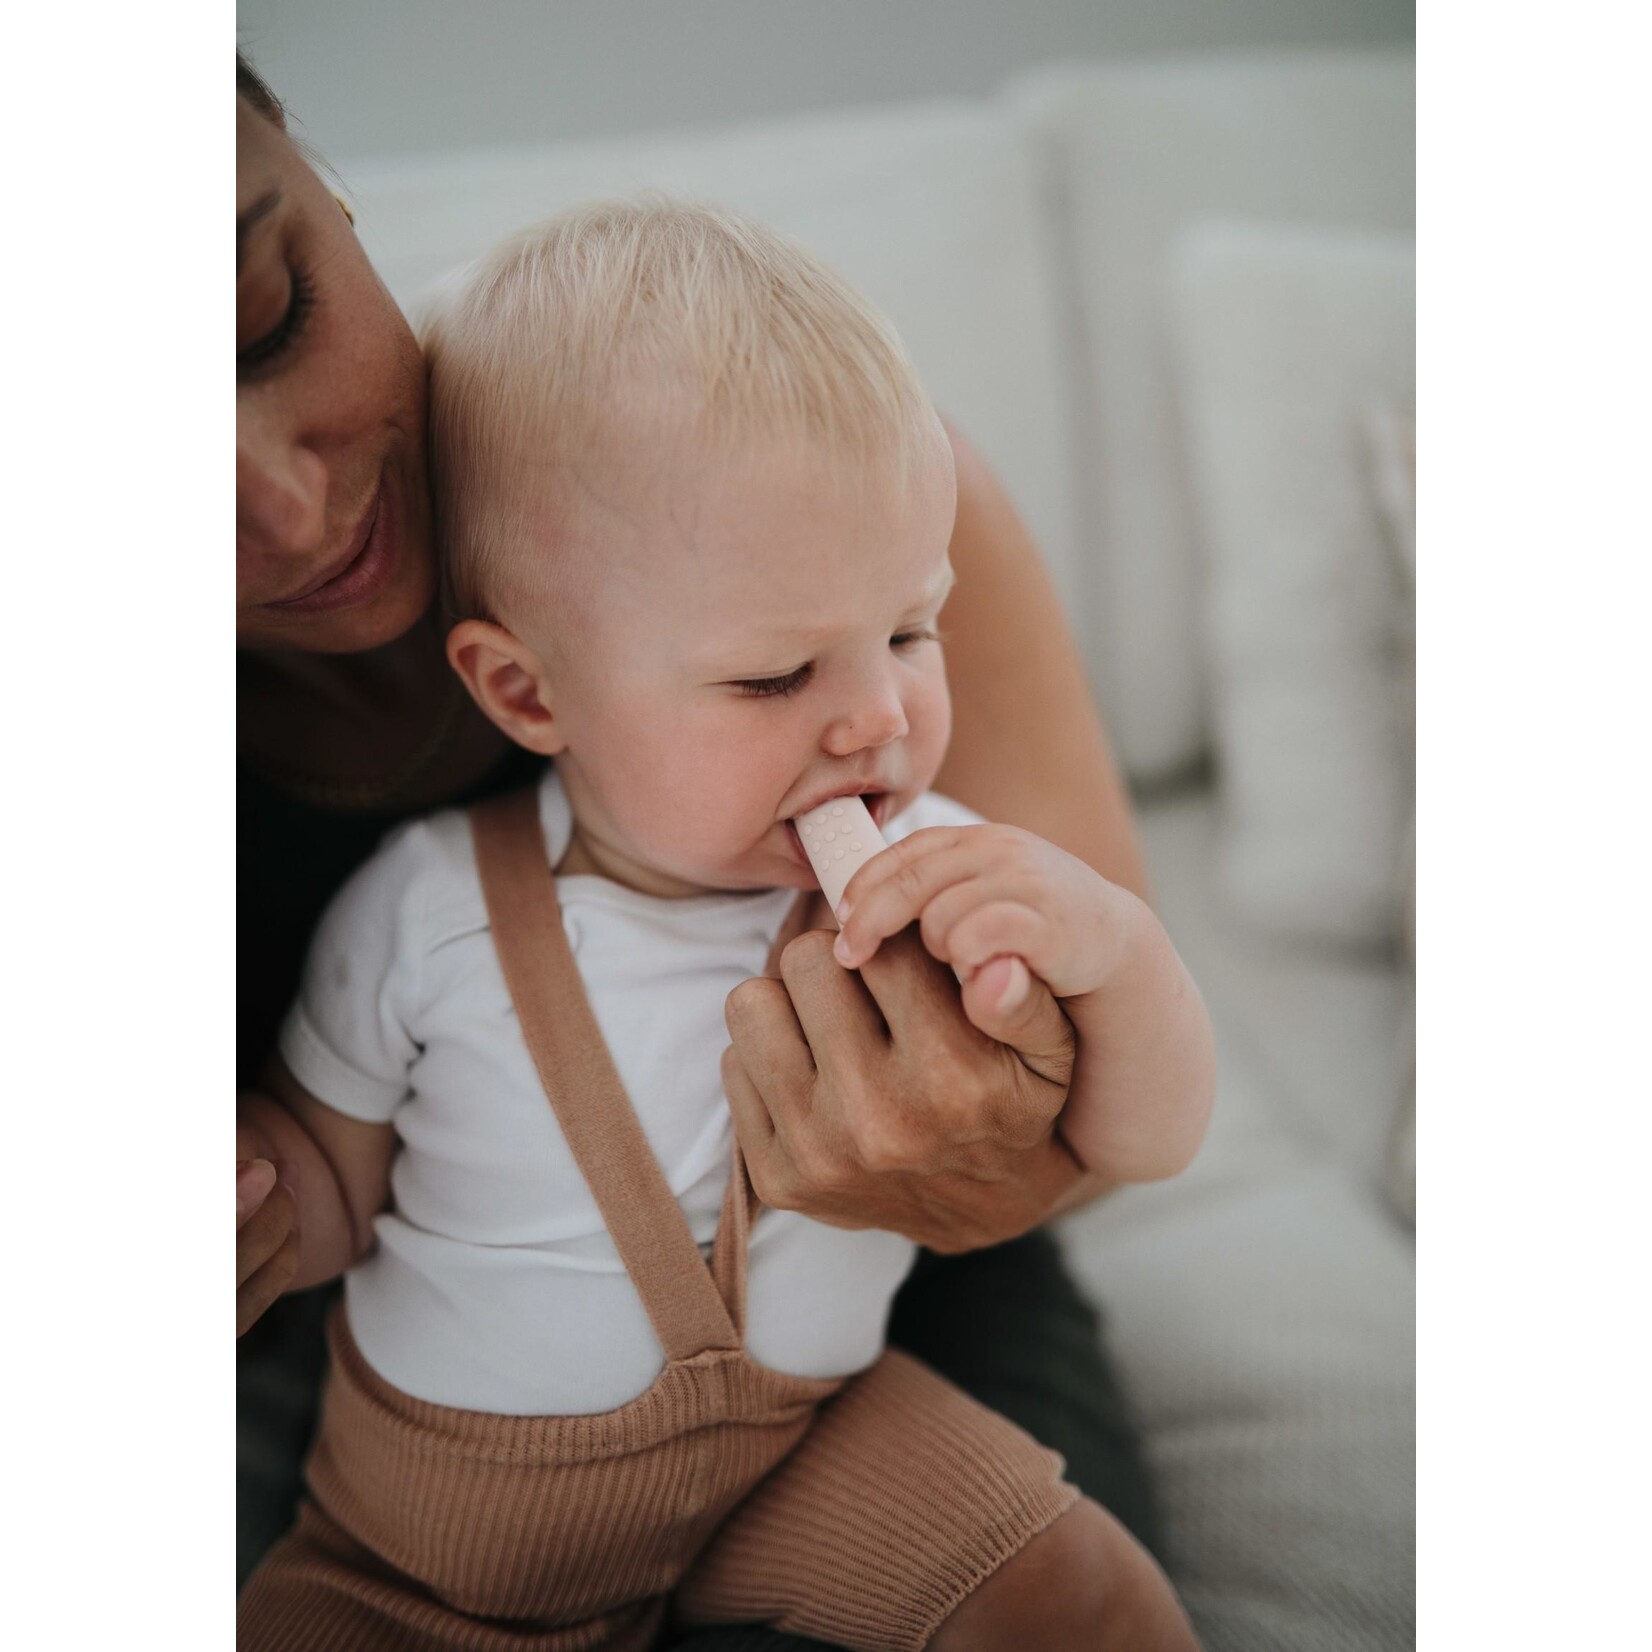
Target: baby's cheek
(708, 800)
(929, 717)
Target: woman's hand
(266, 1233)
(870, 1100)
(996, 902)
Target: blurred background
(1156, 257)
(372, 79)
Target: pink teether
(839, 837)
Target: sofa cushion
(1392, 434)
(1139, 151)
(1288, 339)
(1262, 1304)
(1265, 1329)
(935, 211)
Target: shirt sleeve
(352, 1036)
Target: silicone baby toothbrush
(839, 838)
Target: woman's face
(333, 549)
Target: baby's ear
(507, 680)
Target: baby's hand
(985, 897)
(986, 893)
(995, 902)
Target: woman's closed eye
(271, 345)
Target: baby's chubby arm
(336, 1169)
(985, 895)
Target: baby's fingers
(894, 887)
(993, 930)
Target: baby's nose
(873, 721)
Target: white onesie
(493, 1285)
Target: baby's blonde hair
(625, 323)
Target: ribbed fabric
(432, 1528)
(549, 1522)
(903, 1497)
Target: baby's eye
(759, 687)
(906, 639)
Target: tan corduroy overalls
(857, 1512)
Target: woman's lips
(363, 575)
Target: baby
(695, 511)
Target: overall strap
(728, 1255)
(644, 1219)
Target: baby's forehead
(661, 508)
(775, 541)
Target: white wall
(376, 77)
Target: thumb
(254, 1180)
(1009, 1004)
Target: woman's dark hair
(250, 85)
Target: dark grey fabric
(1009, 1326)
(278, 1384)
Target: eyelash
(284, 334)
(762, 688)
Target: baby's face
(760, 637)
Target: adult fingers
(254, 1296)
(837, 1014)
(262, 1234)
(915, 995)
(253, 1180)
(753, 1127)
(765, 1031)
(1007, 1003)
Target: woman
(349, 719)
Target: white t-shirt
(494, 1285)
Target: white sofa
(1160, 296)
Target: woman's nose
(876, 717)
(280, 496)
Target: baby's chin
(765, 868)
(732, 881)
(749, 874)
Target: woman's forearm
(1028, 747)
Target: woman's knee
(1083, 1582)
